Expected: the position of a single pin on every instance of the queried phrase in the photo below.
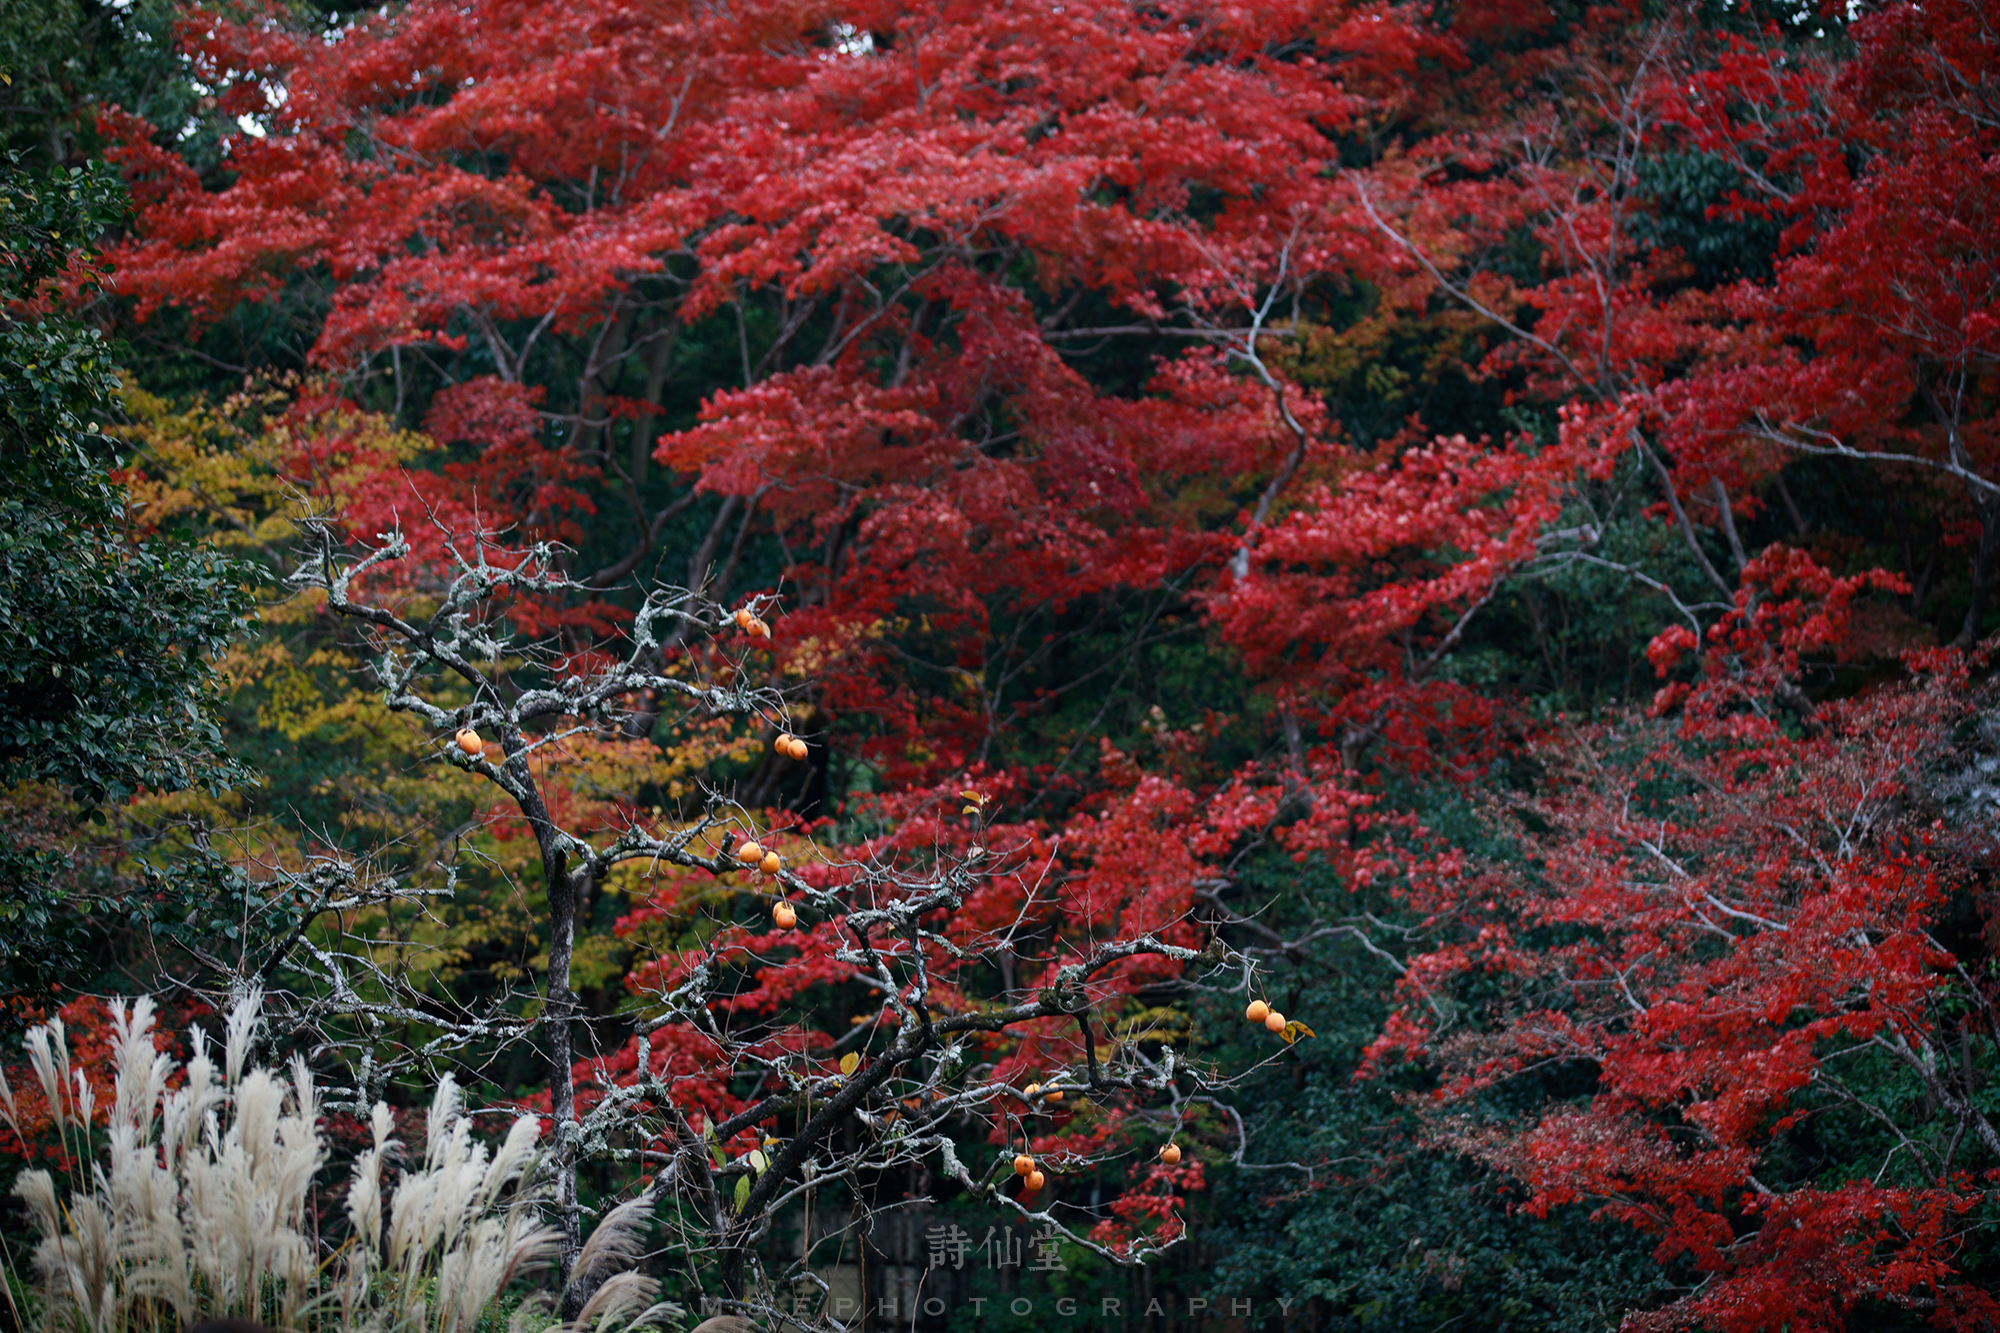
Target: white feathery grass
(527, 1316)
(495, 1249)
(618, 1240)
(438, 1123)
(86, 1099)
(624, 1294)
(37, 1191)
(660, 1315)
(616, 1302)
(43, 1061)
(723, 1323)
(446, 1213)
(364, 1195)
(515, 1158)
(141, 1071)
(237, 1032)
(201, 1204)
(8, 1107)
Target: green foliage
(63, 59)
(107, 686)
(1688, 192)
(1354, 1212)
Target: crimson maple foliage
(1728, 926)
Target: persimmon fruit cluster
(1260, 1012)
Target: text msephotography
(844, 1308)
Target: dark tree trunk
(560, 1000)
(1982, 572)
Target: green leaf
(742, 1192)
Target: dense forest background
(1474, 522)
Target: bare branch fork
(901, 1099)
(456, 648)
(329, 994)
(454, 667)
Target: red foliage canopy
(911, 200)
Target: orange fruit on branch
(1023, 1164)
(1274, 1021)
(468, 741)
(1255, 1013)
(1171, 1154)
(771, 862)
(1033, 1183)
(784, 916)
(749, 853)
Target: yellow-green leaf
(742, 1192)
(758, 1162)
(850, 1062)
(1294, 1030)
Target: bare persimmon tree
(729, 1097)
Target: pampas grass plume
(200, 1208)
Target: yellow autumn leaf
(849, 1062)
(1294, 1030)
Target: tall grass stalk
(200, 1207)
